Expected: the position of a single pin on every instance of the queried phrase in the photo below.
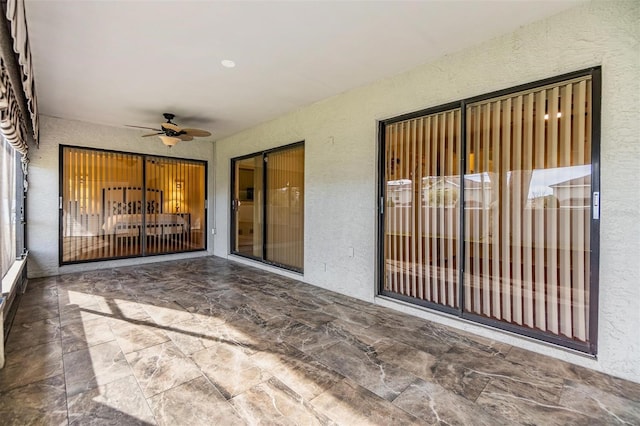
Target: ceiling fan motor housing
(172, 130)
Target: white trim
(118, 263)
(11, 278)
(9, 282)
(257, 264)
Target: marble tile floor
(210, 342)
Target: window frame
(590, 347)
(16, 200)
(143, 158)
(21, 212)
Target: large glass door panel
(247, 206)
(285, 207)
(421, 203)
(527, 209)
(100, 204)
(174, 205)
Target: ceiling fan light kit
(169, 140)
(170, 133)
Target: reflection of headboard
(122, 200)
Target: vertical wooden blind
(528, 230)
(93, 191)
(109, 210)
(177, 223)
(285, 207)
(421, 203)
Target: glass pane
(248, 206)
(8, 165)
(174, 200)
(421, 208)
(107, 213)
(527, 205)
(100, 206)
(285, 207)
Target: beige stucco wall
(340, 141)
(42, 199)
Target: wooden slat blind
(285, 207)
(421, 211)
(174, 205)
(94, 182)
(527, 236)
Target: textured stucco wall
(42, 198)
(340, 135)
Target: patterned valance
(11, 120)
(18, 23)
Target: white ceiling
(127, 62)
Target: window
(268, 206)
(8, 204)
(512, 240)
(115, 204)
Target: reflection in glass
(421, 208)
(527, 199)
(248, 206)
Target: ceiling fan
(171, 133)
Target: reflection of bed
(124, 217)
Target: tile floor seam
(484, 388)
(140, 389)
(64, 374)
(131, 368)
(146, 400)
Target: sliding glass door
(248, 206)
(268, 206)
(511, 242)
(93, 201)
(175, 204)
(421, 203)
(285, 214)
(527, 244)
(115, 204)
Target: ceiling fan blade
(153, 134)
(142, 127)
(185, 137)
(197, 132)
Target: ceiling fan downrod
(169, 117)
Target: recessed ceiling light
(228, 63)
